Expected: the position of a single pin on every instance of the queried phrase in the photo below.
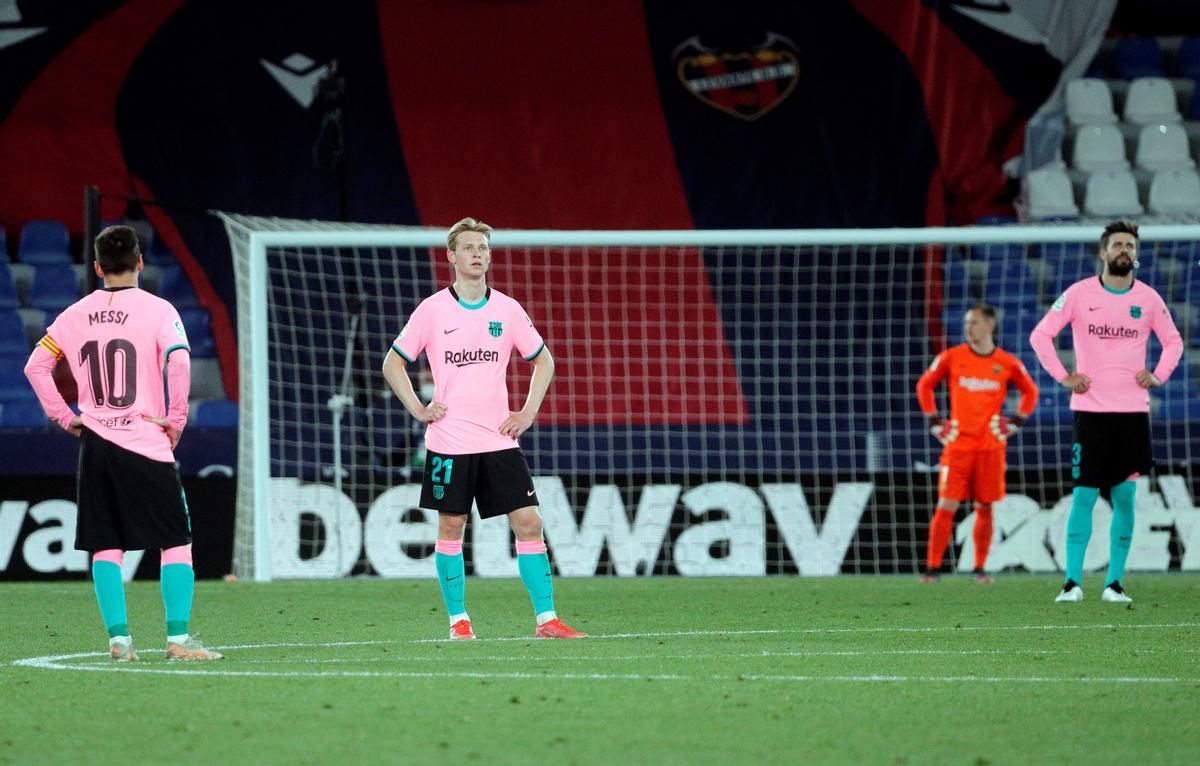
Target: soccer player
(468, 332)
(120, 342)
(1111, 318)
(974, 437)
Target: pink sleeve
(1042, 337)
(413, 338)
(1172, 344)
(40, 372)
(171, 335)
(528, 341)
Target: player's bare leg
(534, 566)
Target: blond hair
(467, 224)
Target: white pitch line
(128, 668)
(630, 657)
(56, 662)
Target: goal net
(725, 403)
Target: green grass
(991, 675)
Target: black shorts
(127, 500)
(499, 482)
(1109, 446)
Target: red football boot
(556, 628)
(461, 631)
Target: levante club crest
(746, 83)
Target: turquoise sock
(1079, 529)
(1121, 531)
(451, 572)
(110, 594)
(535, 573)
(178, 582)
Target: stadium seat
(1162, 147)
(1139, 57)
(1048, 194)
(1175, 192)
(213, 413)
(1151, 100)
(1112, 193)
(159, 254)
(55, 286)
(1089, 102)
(1099, 147)
(35, 324)
(956, 277)
(207, 382)
(198, 323)
(1188, 58)
(8, 288)
(174, 286)
(44, 242)
(13, 385)
(3, 245)
(1069, 263)
(23, 413)
(12, 335)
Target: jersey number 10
(124, 381)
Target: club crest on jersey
(997, 369)
(743, 83)
(495, 329)
(438, 491)
(1135, 312)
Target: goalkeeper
(977, 374)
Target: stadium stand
(1099, 147)
(55, 286)
(1175, 192)
(1049, 194)
(1151, 100)
(1139, 57)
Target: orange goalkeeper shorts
(972, 475)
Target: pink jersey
(118, 342)
(469, 347)
(1110, 330)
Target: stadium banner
(817, 525)
(37, 530)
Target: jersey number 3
(122, 383)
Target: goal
(725, 402)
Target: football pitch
(728, 671)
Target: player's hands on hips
(945, 431)
(1147, 379)
(76, 427)
(432, 413)
(1002, 428)
(1077, 382)
(516, 424)
(173, 433)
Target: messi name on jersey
(108, 316)
(478, 356)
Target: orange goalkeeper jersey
(978, 385)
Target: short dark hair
(1117, 227)
(117, 249)
(985, 308)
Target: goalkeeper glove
(944, 431)
(1002, 427)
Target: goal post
(726, 402)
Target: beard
(1120, 267)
